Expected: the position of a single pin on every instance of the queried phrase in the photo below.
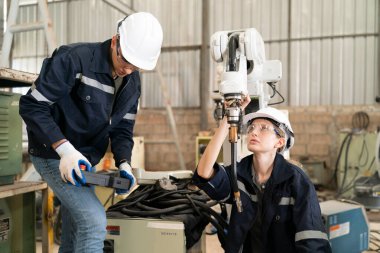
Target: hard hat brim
(250, 116)
(254, 115)
(134, 60)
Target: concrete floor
(212, 245)
(39, 248)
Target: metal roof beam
(122, 7)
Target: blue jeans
(83, 216)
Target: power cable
(273, 86)
(360, 123)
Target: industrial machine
(367, 189)
(245, 72)
(157, 213)
(347, 226)
(10, 137)
(129, 235)
(356, 159)
(17, 213)
(244, 69)
(17, 223)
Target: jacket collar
(281, 170)
(101, 59)
(245, 166)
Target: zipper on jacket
(117, 95)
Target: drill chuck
(233, 115)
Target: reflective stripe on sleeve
(242, 188)
(130, 116)
(222, 200)
(310, 234)
(226, 198)
(94, 83)
(39, 97)
(286, 201)
(211, 185)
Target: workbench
(27, 188)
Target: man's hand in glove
(126, 172)
(71, 159)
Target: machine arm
(245, 71)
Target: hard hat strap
(119, 23)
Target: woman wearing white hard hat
(86, 97)
(281, 212)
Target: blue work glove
(84, 166)
(126, 172)
(71, 162)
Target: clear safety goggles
(263, 128)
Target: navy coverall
(291, 216)
(74, 98)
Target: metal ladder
(45, 23)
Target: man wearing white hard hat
(86, 97)
(281, 213)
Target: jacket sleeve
(218, 187)
(56, 79)
(122, 137)
(310, 231)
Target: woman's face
(263, 136)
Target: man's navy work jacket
(74, 98)
(291, 220)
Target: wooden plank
(20, 188)
(16, 78)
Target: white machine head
(245, 68)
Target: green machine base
(17, 223)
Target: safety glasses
(263, 128)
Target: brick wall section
(316, 131)
(154, 126)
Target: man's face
(121, 66)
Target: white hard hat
(140, 39)
(279, 117)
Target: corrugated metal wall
(180, 65)
(71, 23)
(332, 44)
